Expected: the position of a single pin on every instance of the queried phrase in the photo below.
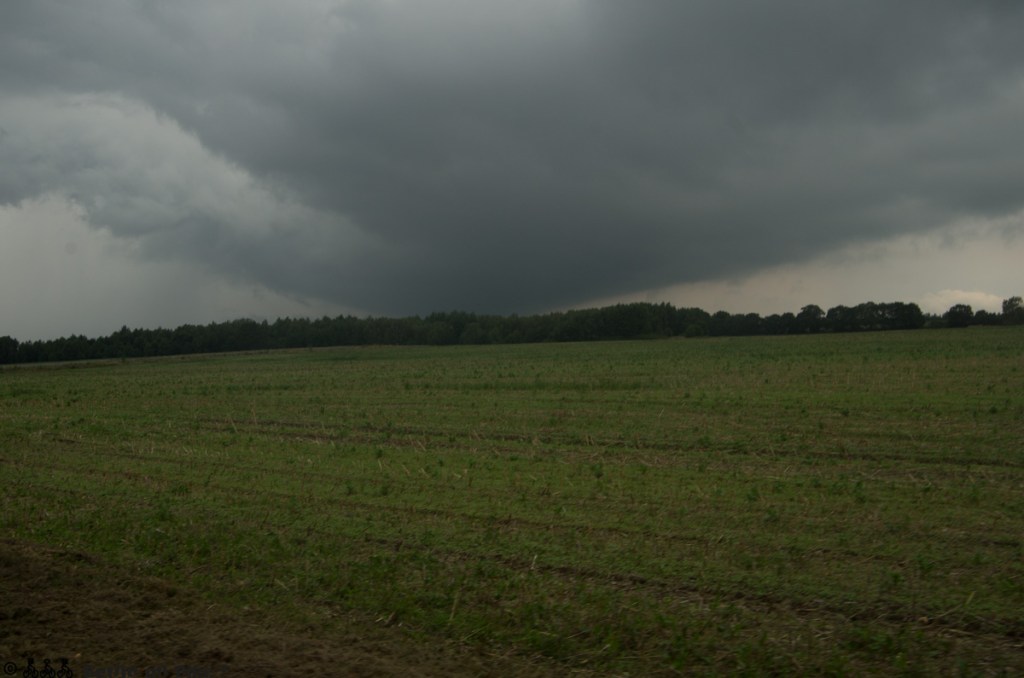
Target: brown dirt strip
(107, 621)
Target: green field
(840, 504)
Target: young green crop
(839, 504)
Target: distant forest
(622, 321)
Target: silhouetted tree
(983, 317)
(959, 315)
(901, 316)
(810, 318)
(8, 350)
(1013, 311)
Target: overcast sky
(191, 161)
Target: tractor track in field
(1009, 629)
(485, 521)
(413, 437)
(597, 449)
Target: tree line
(622, 321)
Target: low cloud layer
(402, 157)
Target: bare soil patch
(106, 621)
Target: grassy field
(839, 504)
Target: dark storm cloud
(516, 156)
